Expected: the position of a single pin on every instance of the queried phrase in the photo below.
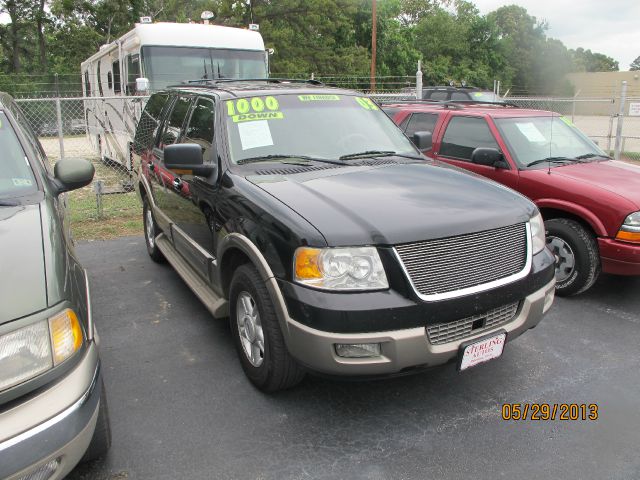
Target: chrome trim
(196, 246)
(630, 228)
(90, 332)
(475, 289)
(21, 437)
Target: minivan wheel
(257, 335)
(101, 440)
(576, 253)
(151, 231)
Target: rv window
(109, 80)
(116, 77)
(99, 79)
(133, 72)
(87, 84)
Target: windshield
(485, 97)
(536, 138)
(171, 65)
(16, 177)
(319, 126)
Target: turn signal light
(625, 236)
(66, 335)
(306, 264)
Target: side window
(439, 95)
(421, 122)
(463, 135)
(459, 96)
(200, 128)
(149, 123)
(133, 72)
(116, 77)
(173, 126)
(87, 84)
(99, 79)
(109, 80)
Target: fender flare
(574, 209)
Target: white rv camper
(151, 57)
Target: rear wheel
(151, 231)
(257, 335)
(576, 253)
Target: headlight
(352, 268)
(630, 230)
(538, 237)
(36, 348)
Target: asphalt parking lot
(182, 408)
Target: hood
(389, 205)
(23, 281)
(614, 176)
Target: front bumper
(401, 350)
(619, 258)
(51, 430)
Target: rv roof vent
(146, 20)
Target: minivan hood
(389, 205)
(23, 283)
(618, 177)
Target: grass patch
(121, 212)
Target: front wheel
(101, 440)
(576, 253)
(257, 335)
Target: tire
(101, 440)
(151, 231)
(270, 368)
(577, 256)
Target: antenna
(550, 144)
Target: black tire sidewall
(576, 236)
(242, 282)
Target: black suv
(460, 94)
(305, 215)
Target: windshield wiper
(552, 160)
(592, 155)
(268, 158)
(379, 153)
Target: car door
(462, 135)
(194, 216)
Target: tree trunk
(41, 39)
(12, 9)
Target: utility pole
(373, 45)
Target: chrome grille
(460, 329)
(454, 263)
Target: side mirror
(186, 159)
(72, 173)
(490, 157)
(422, 140)
(142, 85)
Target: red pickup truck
(590, 203)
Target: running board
(218, 306)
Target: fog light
(548, 300)
(43, 472)
(358, 350)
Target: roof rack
(447, 103)
(214, 81)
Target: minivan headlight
(32, 350)
(538, 237)
(630, 230)
(343, 268)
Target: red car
(590, 203)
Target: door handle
(177, 183)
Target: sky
(611, 27)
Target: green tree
(588, 61)
(635, 65)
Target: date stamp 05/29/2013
(550, 411)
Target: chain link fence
(598, 118)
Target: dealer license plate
(481, 351)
